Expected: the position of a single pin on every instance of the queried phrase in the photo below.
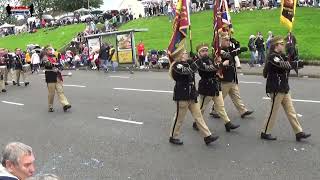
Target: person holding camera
(210, 86)
(260, 48)
(277, 72)
(185, 95)
(229, 80)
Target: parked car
(86, 18)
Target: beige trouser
(218, 104)
(2, 84)
(286, 102)
(22, 73)
(12, 73)
(182, 107)
(232, 89)
(52, 88)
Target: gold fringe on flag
(288, 10)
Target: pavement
(311, 71)
(118, 128)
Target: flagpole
(190, 37)
(190, 32)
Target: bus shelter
(122, 41)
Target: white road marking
(249, 82)
(298, 100)
(8, 102)
(120, 120)
(299, 115)
(143, 90)
(72, 85)
(122, 77)
(21, 82)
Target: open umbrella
(46, 16)
(81, 10)
(6, 25)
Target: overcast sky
(110, 4)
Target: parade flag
(180, 26)
(221, 23)
(225, 17)
(217, 26)
(288, 9)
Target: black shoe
(6, 84)
(268, 137)
(175, 141)
(302, 135)
(66, 107)
(210, 139)
(195, 126)
(214, 115)
(51, 110)
(246, 114)
(3, 90)
(26, 83)
(14, 83)
(18, 84)
(230, 126)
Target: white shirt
(5, 173)
(35, 59)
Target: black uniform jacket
(278, 69)
(19, 62)
(209, 84)
(230, 71)
(51, 76)
(183, 74)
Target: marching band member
(10, 59)
(277, 72)
(209, 86)
(185, 95)
(3, 69)
(55, 84)
(229, 81)
(20, 61)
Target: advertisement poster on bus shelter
(124, 48)
(94, 44)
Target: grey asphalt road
(77, 145)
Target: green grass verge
(57, 38)
(306, 29)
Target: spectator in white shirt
(35, 61)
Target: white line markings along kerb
(72, 85)
(122, 77)
(120, 120)
(249, 82)
(143, 90)
(298, 100)
(13, 103)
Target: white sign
(93, 44)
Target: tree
(43, 6)
(40, 6)
(72, 5)
(3, 13)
